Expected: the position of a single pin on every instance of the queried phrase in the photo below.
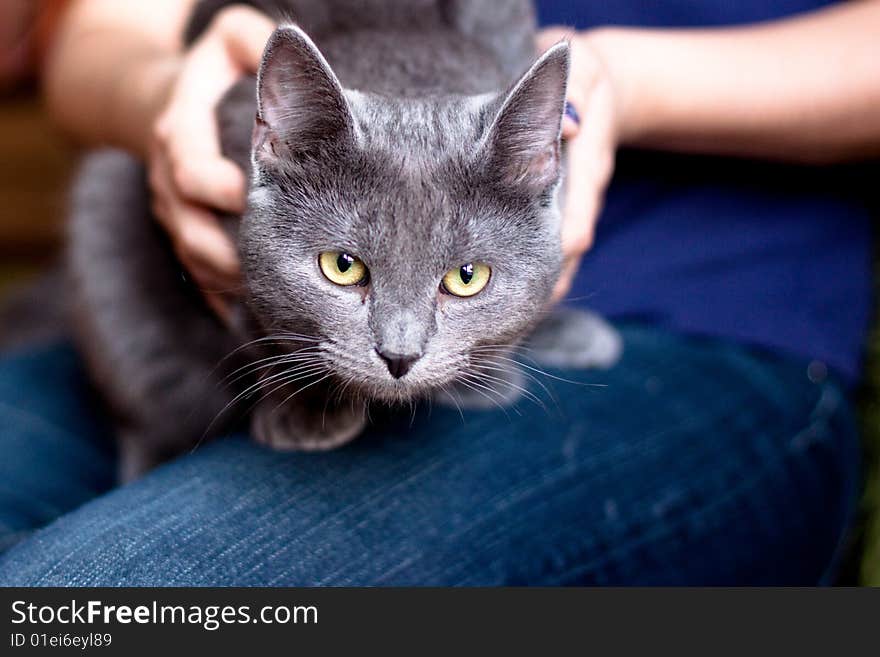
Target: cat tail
(37, 312)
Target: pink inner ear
(545, 166)
(263, 141)
(539, 171)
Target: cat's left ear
(524, 140)
(301, 106)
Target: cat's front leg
(309, 424)
(575, 339)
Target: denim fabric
(699, 463)
(55, 451)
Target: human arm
(118, 75)
(804, 89)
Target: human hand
(189, 177)
(591, 127)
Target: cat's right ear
(523, 143)
(301, 107)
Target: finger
(550, 36)
(220, 306)
(247, 32)
(189, 133)
(581, 207)
(566, 278)
(196, 232)
(560, 290)
(583, 199)
(571, 121)
(589, 163)
(213, 182)
(232, 48)
(578, 225)
(217, 301)
(205, 279)
(200, 236)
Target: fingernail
(571, 113)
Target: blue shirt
(775, 256)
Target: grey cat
(401, 235)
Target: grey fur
(418, 151)
(570, 338)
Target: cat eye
(467, 280)
(343, 268)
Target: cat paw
(575, 339)
(295, 428)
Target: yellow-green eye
(467, 280)
(342, 268)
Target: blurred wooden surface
(35, 168)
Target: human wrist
(232, 17)
(635, 101)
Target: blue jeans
(700, 462)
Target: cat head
(400, 234)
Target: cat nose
(398, 364)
